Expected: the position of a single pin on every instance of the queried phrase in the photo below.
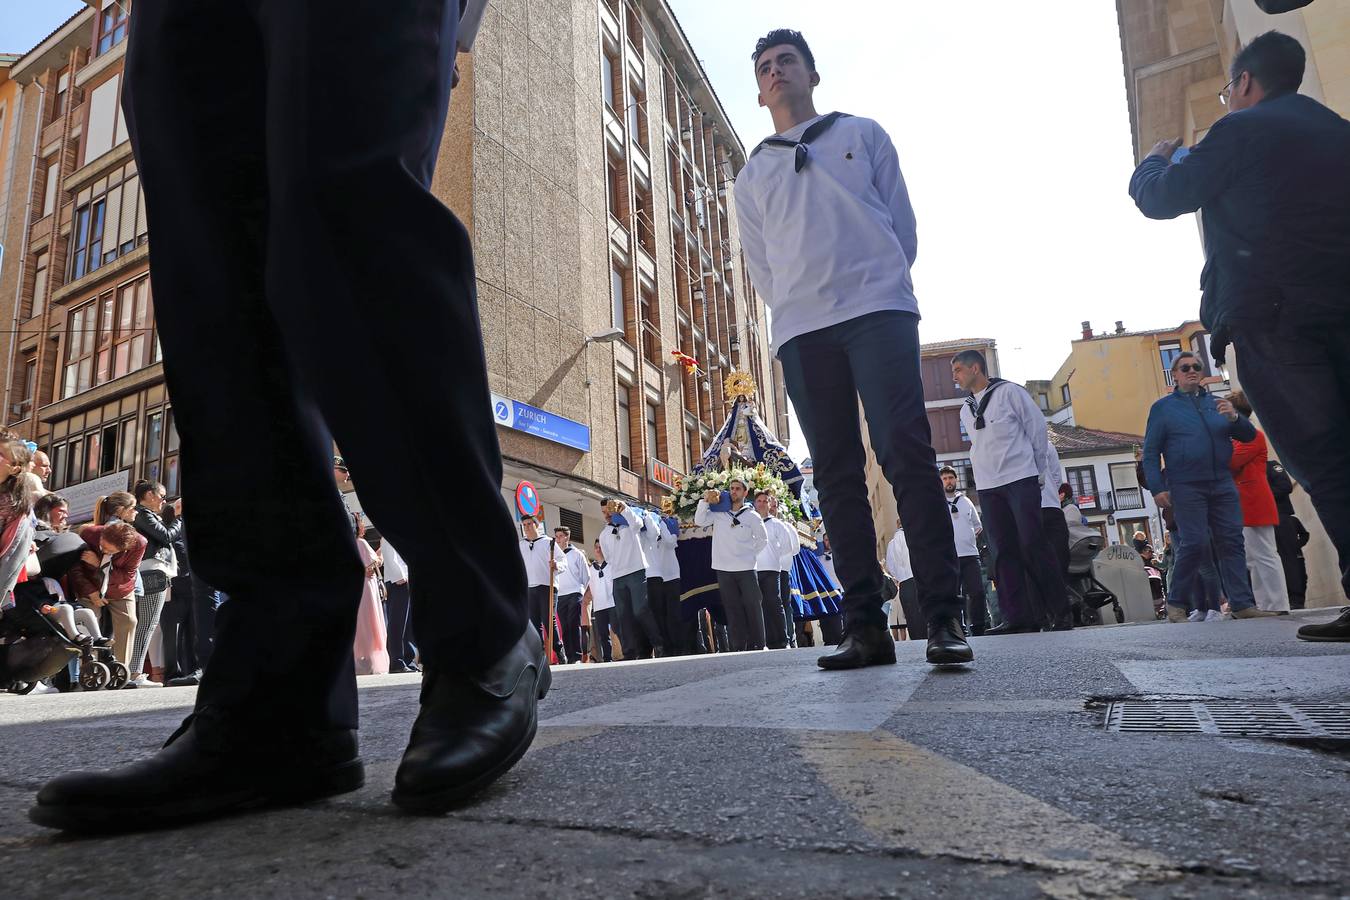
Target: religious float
(745, 449)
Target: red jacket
(84, 580)
(1249, 471)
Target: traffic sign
(527, 499)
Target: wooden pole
(551, 627)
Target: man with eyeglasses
(1194, 431)
(966, 527)
(1272, 182)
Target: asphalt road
(757, 775)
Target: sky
(1011, 124)
(1014, 138)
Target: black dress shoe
(1011, 628)
(947, 644)
(190, 680)
(863, 647)
(210, 767)
(1062, 625)
(471, 730)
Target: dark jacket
(1197, 441)
(1272, 184)
(159, 533)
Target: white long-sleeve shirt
(1011, 445)
(572, 575)
(738, 536)
(623, 546)
(602, 587)
(770, 559)
(667, 563)
(535, 553)
(897, 557)
(966, 524)
(793, 545)
(395, 569)
(1052, 476)
(834, 241)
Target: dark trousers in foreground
(539, 615)
(972, 587)
(294, 219)
(744, 608)
(638, 629)
(569, 622)
(1057, 535)
(176, 630)
(875, 358)
(205, 601)
(398, 612)
(1287, 543)
(1023, 557)
(908, 598)
(676, 634)
(1292, 362)
(601, 622)
(771, 602)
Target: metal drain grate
(1231, 718)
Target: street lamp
(606, 337)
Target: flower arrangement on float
(690, 489)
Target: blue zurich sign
(519, 416)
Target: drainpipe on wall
(23, 256)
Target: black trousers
(569, 622)
(771, 601)
(972, 586)
(1023, 557)
(744, 608)
(176, 626)
(398, 612)
(1293, 371)
(601, 622)
(675, 631)
(293, 220)
(538, 598)
(638, 629)
(1291, 557)
(875, 358)
(205, 601)
(1057, 533)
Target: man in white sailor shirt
(1008, 450)
(738, 537)
(966, 527)
(768, 569)
(600, 597)
(572, 581)
(543, 559)
(621, 539)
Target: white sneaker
(143, 681)
(43, 687)
(1196, 616)
(1214, 616)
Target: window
(110, 225)
(612, 192)
(1167, 354)
(607, 66)
(112, 25)
(104, 119)
(618, 313)
(1083, 482)
(1043, 399)
(691, 447)
(49, 190)
(653, 433)
(1064, 394)
(1125, 486)
(109, 338)
(625, 426)
(62, 95)
(651, 337)
(637, 118)
(39, 284)
(29, 382)
(965, 438)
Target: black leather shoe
(1062, 625)
(210, 767)
(471, 730)
(869, 647)
(947, 644)
(1011, 628)
(190, 680)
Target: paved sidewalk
(757, 775)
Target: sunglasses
(1188, 367)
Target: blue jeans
(1209, 512)
(874, 358)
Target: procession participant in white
(1008, 452)
(768, 569)
(897, 563)
(622, 543)
(966, 527)
(829, 238)
(542, 559)
(600, 600)
(572, 580)
(738, 537)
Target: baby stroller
(1087, 595)
(33, 647)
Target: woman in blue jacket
(1194, 432)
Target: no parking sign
(527, 499)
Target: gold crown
(738, 385)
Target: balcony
(1127, 498)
